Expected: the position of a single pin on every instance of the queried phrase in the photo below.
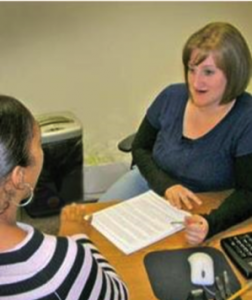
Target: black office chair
(125, 145)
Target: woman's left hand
(72, 218)
(196, 229)
(180, 196)
(73, 213)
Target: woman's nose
(197, 80)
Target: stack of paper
(138, 222)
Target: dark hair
(230, 51)
(16, 132)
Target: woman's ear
(17, 177)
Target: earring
(28, 200)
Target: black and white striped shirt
(56, 268)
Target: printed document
(138, 222)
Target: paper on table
(138, 222)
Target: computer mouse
(202, 268)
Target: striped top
(56, 268)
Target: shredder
(61, 178)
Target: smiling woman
(196, 136)
(207, 84)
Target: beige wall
(104, 61)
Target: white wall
(104, 61)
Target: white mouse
(202, 268)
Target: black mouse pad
(169, 272)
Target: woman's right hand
(178, 196)
(196, 229)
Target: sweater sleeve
(142, 148)
(113, 287)
(238, 206)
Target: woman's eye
(208, 72)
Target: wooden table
(131, 267)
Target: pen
(227, 284)
(241, 291)
(177, 222)
(220, 286)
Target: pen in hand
(196, 229)
(177, 222)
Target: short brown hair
(230, 51)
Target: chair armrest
(125, 145)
